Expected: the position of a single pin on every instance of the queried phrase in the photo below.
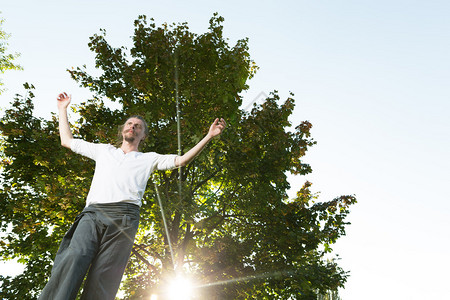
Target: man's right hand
(64, 128)
(63, 100)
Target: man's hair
(119, 133)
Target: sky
(371, 76)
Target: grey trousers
(100, 240)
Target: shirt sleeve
(164, 162)
(84, 148)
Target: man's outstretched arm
(65, 133)
(216, 128)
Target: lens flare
(180, 288)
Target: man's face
(133, 130)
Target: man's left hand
(217, 127)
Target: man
(102, 236)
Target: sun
(180, 288)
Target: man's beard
(129, 138)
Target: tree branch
(146, 262)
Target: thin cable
(177, 100)
(179, 168)
(165, 225)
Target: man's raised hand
(217, 127)
(63, 100)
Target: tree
(6, 59)
(232, 227)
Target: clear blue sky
(372, 77)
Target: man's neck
(129, 147)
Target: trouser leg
(72, 261)
(107, 269)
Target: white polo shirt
(120, 177)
